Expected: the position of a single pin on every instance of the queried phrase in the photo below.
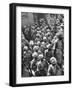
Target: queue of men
(42, 49)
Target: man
(27, 32)
(33, 65)
(49, 54)
(54, 69)
(59, 51)
(42, 68)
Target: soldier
(59, 52)
(54, 69)
(42, 66)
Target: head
(60, 37)
(31, 43)
(35, 54)
(53, 61)
(25, 48)
(36, 48)
(40, 56)
(42, 68)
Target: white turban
(53, 60)
(35, 48)
(25, 48)
(31, 43)
(40, 56)
(35, 54)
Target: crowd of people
(43, 48)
